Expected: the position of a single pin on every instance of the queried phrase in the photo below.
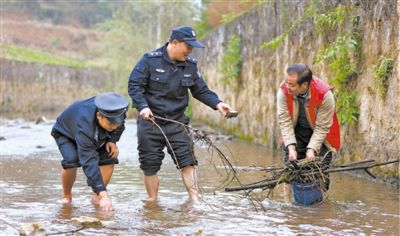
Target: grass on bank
(17, 53)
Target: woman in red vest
(306, 115)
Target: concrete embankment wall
(33, 89)
(376, 133)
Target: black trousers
(69, 152)
(151, 143)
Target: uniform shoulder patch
(192, 60)
(155, 54)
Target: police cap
(113, 106)
(186, 34)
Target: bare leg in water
(189, 178)
(151, 183)
(68, 177)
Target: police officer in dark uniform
(86, 134)
(158, 85)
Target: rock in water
(32, 229)
(87, 221)
(199, 231)
(40, 119)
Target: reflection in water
(31, 191)
(66, 212)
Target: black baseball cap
(186, 34)
(113, 106)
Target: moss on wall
(342, 42)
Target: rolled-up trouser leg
(152, 142)
(181, 144)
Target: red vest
(318, 89)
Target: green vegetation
(126, 29)
(324, 22)
(278, 40)
(136, 29)
(382, 72)
(203, 26)
(275, 42)
(332, 19)
(337, 56)
(347, 107)
(341, 56)
(86, 13)
(231, 62)
(29, 55)
(226, 18)
(231, 16)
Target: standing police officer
(159, 85)
(86, 134)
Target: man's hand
(310, 153)
(223, 108)
(146, 114)
(112, 149)
(292, 152)
(105, 201)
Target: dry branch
(312, 171)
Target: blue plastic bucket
(306, 193)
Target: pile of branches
(306, 171)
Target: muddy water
(31, 191)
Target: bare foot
(194, 199)
(95, 199)
(66, 200)
(151, 199)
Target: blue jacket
(79, 123)
(162, 85)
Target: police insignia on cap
(186, 34)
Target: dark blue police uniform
(162, 85)
(81, 140)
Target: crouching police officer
(159, 85)
(86, 134)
